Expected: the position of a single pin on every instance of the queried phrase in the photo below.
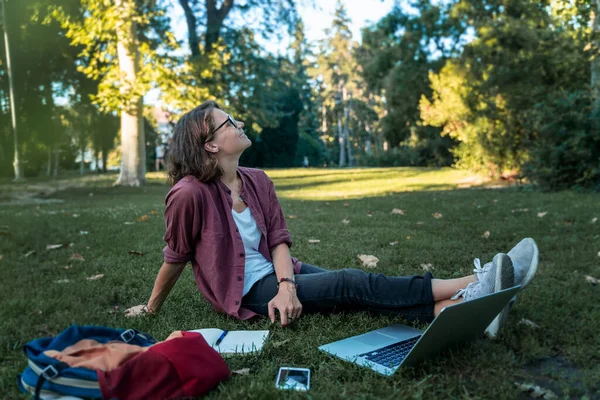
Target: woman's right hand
(137, 311)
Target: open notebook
(235, 342)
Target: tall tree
(338, 73)
(273, 14)
(13, 112)
(397, 55)
(595, 67)
(133, 143)
(125, 46)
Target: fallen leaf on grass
(408, 237)
(535, 391)
(437, 215)
(398, 211)
(243, 371)
(143, 218)
(280, 343)
(594, 220)
(137, 253)
(395, 242)
(346, 205)
(326, 203)
(75, 215)
(486, 234)
(420, 223)
(29, 253)
(68, 267)
(1, 257)
(292, 216)
(56, 246)
(345, 221)
(529, 323)
(62, 281)
(591, 280)
(427, 267)
(520, 210)
(368, 261)
(128, 223)
(154, 212)
(77, 256)
(95, 277)
(314, 241)
(542, 214)
(83, 232)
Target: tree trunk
(82, 154)
(595, 65)
(368, 141)
(324, 119)
(49, 166)
(342, 161)
(133, 157)
(13, 112)
(214, 21)
(190, 20)
(56, 160)
(346, 131)
(104, 159)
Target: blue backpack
(47, 376)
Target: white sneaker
(524, 257)
(493, 277)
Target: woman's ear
(211, 147)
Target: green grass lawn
(43, 293)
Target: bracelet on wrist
(289, 280)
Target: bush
(565, 149)
(403, 156)
(429, 152)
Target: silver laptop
(386, 350)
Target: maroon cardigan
(200, 228)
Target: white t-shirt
(256, 266)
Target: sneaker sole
(503, 316)
(505, 278)
(492, 329)
(532, 267)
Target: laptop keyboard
(391, 356)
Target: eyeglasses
(230, 120)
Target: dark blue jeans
(325, 291)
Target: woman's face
(228, 140)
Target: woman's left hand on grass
(286, 301)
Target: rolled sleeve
(172, 257)
(183, 223)
(277, 231)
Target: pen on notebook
(220, 339)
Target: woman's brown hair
(187, 155)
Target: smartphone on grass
(290, 378)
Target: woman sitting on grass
(227, 221)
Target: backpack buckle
(128, 335)
(49, 372)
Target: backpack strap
(48, 373)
